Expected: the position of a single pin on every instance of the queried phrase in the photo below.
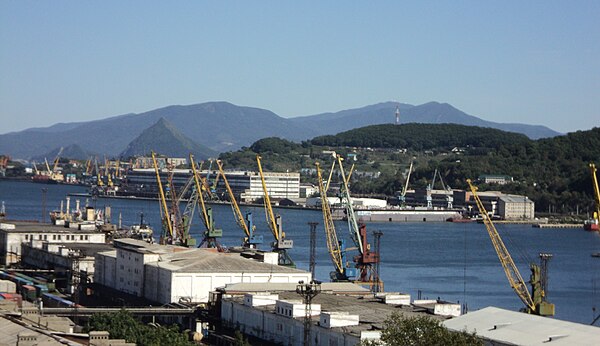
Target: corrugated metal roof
(334, 287)
(511, 327)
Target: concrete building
(335, 319)
(515, 207)
(247, 186)
(74, 261)
(495, 179)
(15, 233)
(172, 274)
(501, 327)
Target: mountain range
(209, 128)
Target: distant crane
(402, 197)
(280, 244)
(251, 240)
(535, 303)
(593, 223)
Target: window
(81, 237)
(54, 237)
(26, 236)
(59, 237)
(87, 237)
(39, 237)
(45, 237)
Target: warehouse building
(173, 274)
(14, 234)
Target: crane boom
(163, 202)
(333, 245)
(211, 234)
(239, 218)
(267, 202)
(510, 269)
(352, 222)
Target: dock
(558, 225)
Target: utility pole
(308, 292)
(313, 248)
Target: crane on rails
(280, 245)
(593, 224)
(251, 240)
(166, 236)
(366, 262)
(335, 246)
(535, 303)
(211, 234)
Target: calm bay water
(455, 262)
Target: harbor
(454, 261)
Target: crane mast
(336, 247)
(251, 240)
(536, 305)
(280, 244)
(593, 223)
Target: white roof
(518, 328)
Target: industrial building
(246, 185)
(14, 234)
(172, 274)
(339, 315)
(501, 327)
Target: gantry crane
(366, 261)
(251, 240)
(593, 224)
(211, 234)
(534, 303)
(280, 244)
(336, 246)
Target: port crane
(337, 247)
(367, 261)
(280, 244)
(535, 303)
(593, 224)
(251, 240)
(176, 226)
(211, 234)
(402, 196)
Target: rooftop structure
(335, 319)
(504, 327)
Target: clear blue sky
(534, 62)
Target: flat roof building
(173, 274)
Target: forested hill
(553, 172)
(422, 137)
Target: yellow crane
(251, 240)
(167, 235)
(211, 234)
(280, 244)
(593, 223)
(336, 247)
(534, 304)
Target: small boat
(591, 225)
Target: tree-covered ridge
(422, 137)
(552, 172)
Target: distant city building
(495, 179)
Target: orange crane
(534, 303)
(280, 244)
(593, 223)
(367, 260)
